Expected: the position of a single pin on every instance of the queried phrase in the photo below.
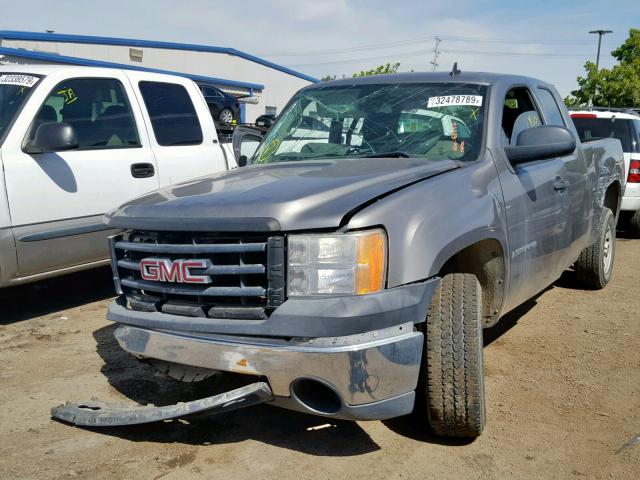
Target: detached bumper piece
(98, 414)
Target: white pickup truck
(76, 142)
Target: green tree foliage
(379, 70)
(617, 87)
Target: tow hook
(100, 414)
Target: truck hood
(281, 196)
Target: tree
(617, 87)
(379, 70)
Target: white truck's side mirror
(53, 137)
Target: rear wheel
(594, 267)
(226, 116)
(633, 224)
(452, 373)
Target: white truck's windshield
(435, 121)
(15, 88)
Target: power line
(412, 41)
(417, 53)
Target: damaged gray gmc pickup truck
(380, 225)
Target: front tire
(452, 372)
(594, 266)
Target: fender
(432, 221)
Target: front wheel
(451, 382)
(594, 266)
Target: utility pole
(600, 34)
(436, 53)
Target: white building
(263, 86)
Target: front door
(536, 214)
(57, 199)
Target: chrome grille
(246, 273)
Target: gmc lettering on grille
(176, 271)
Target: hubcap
(607, 249)
(227, 116)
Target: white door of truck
(182, 131)
(56, 200)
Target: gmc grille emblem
(176, 271)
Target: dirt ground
(563, 389)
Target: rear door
(183, 134)
(576, 198)
(57, 199)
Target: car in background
(623, 124)
(224, 108)
(265, 121)
(76, 142)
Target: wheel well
(484, 259)
(612, 198)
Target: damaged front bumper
(368, 375)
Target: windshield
(14, 91)
(435, 121)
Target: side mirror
(245, 142)
(540, 143)
(53, 137)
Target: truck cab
(76, 142)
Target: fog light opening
(316, 395)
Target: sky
(545, 39)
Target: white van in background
(76, 142)
(623, 124)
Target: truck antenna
(454, 70)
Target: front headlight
(334, 264)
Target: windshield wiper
(398, 154)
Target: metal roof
(87, 39)
(52, 57)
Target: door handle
(560, 185)
(142, 170)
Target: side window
(173, 116)
(550, 108)
(97, 108)
(518, 113)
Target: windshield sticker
(68, 94)
(19, 80)
(454, 101)
(270, 149)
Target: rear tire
(594, 266)
(633, 225)
(226, 116)
(452, 372)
